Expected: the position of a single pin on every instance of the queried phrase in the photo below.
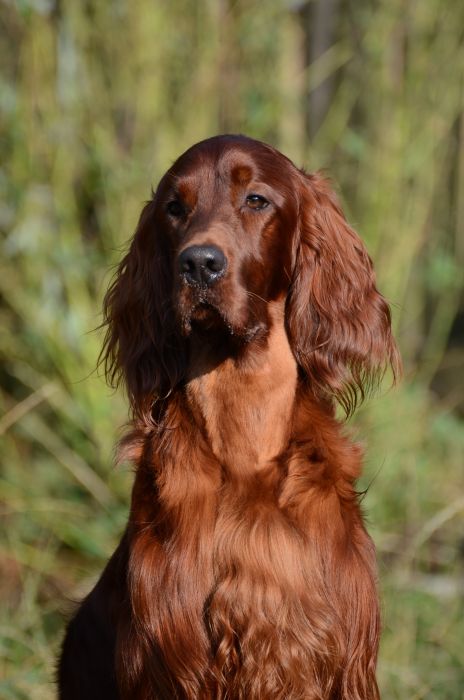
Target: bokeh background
(98, 97)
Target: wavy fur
(245, 572)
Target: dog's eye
(256, 201)
(175, 208)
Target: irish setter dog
(244, 311)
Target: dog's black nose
(202, 264)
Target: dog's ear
(141, 346)
(338, 323)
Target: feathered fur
(245, 572)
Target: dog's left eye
(175, 208)
(256, 201)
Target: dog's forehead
(228, 162)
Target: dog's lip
(203, 306)
(207, 317)
(206, 313)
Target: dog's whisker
(253, 294)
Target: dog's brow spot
(187, 193)
(241, 174)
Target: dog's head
(234, 225)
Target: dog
(244, 312)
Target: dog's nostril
(202, 265)
(214, 263)
(187, 265)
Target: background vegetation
(97, 99)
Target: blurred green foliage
(97, 99)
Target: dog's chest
(247, 410)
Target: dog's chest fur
(247, 408)
(254, 585)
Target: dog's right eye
(256, 202)
(175, 208)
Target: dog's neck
(246, 402)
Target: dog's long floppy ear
(141, 347)
(338, 323)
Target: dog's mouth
(207, 320)
(204, 312)
(203, 316)
(206, 316)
